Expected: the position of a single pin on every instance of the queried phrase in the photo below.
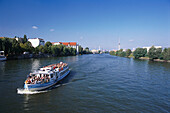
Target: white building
(94, 51)
(36, 42)
(151, 46)
(68, 44)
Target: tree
(128, 52)
(119, 53)
(16, 48)
(154, 53)
(0, 45)
(6, 45)
(87, 49)
(122, 54)
(139, 52)
(47, 47)
(55, 50)
(27, 47)
(112, 53)
(48, 44)
(66, 51)
(41, 49)
(166, 54)
(36, 50)
(80, 50)
(25, 39)
(73, 51)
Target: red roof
(69, 43)
(66, 43)
(73, 43)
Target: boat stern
(26, 86)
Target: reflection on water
(26, 102)
(165, 65)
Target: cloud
(34, 27)
(131, 40)
(51, 29)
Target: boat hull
(38, 87)
(3, 59)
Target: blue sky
(91, 23)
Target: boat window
(51, 75)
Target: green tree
(1, 45)
(128, 52)
(16, 48)
(154, 53)
(6, 45)
(25, 39)
(66, 51)
(36, 50)
(139, 52)
(27, 47)
(74, 51)
(122, 54)
(166, 54)
(112, 53)
(80, 50)
(87, 49)
(41, 49)
(47, 47)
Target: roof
(69, 43)
(36, 38)
(66, 43)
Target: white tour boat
(46, 77)
(2, 56)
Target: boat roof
(48, 69)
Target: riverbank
(28, 56)
(156, 60)
(147, 58)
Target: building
(68, 44)
(36, 42)
(151, 46)
(2, 37)
(94, 51)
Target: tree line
(12, 47)
(121, 53)
(153, 53)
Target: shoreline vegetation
(14, 49)
(154, 54)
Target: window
(51, 75)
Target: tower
(119, 44)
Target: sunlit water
(96, 84)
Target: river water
(96, 84)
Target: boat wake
(24, 91)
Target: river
(96, 84)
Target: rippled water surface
(96, 84)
